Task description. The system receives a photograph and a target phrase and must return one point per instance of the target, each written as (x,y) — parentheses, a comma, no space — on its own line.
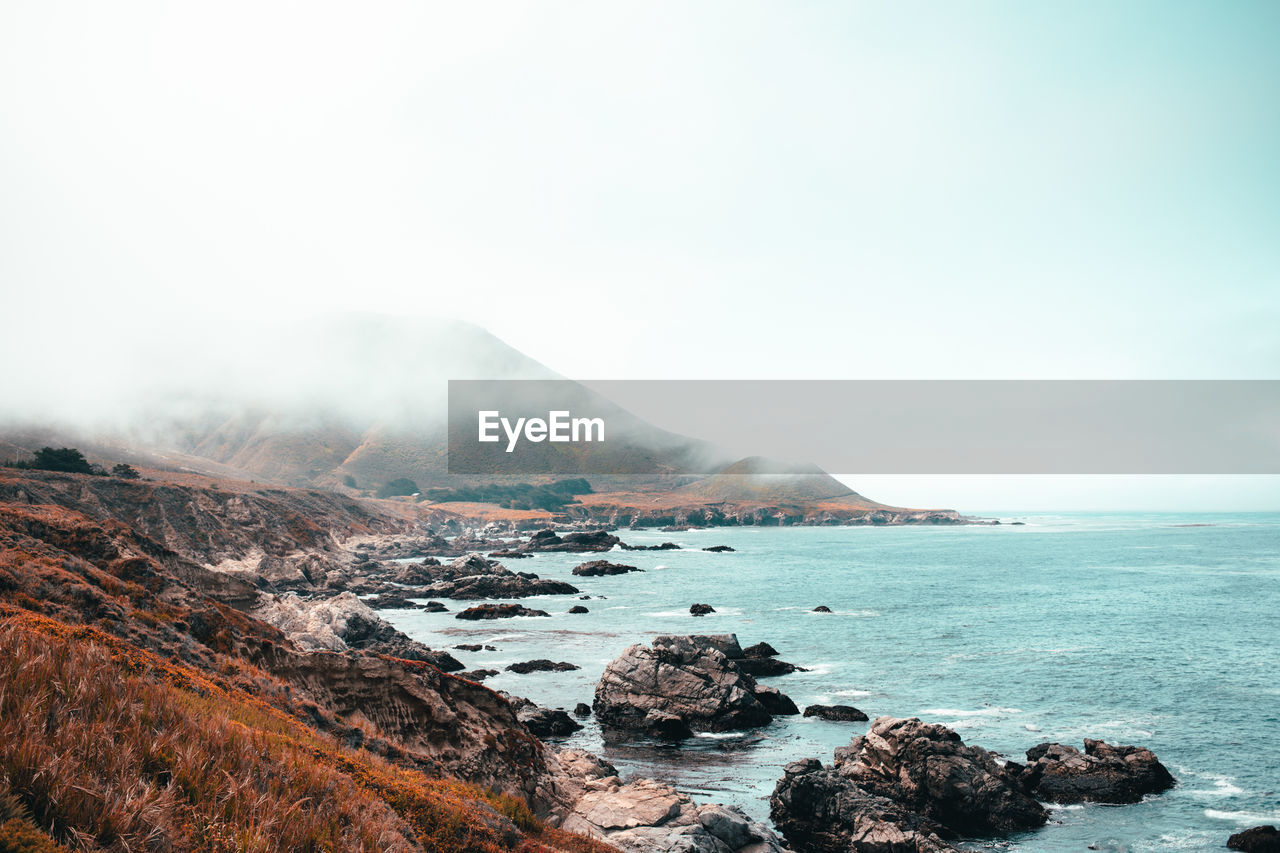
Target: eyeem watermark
(558,426)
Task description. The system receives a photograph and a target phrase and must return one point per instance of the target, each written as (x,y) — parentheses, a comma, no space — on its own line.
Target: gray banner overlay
(868,426)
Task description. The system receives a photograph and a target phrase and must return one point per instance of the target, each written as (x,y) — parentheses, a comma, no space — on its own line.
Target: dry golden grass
(108,747)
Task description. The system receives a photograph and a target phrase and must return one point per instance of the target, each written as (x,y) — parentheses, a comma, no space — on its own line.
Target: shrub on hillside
(398,487)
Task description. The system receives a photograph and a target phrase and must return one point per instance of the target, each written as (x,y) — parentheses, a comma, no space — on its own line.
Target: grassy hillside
(105,746)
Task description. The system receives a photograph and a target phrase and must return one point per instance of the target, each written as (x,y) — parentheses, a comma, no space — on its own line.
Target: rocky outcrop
(543,722)
(719,549)
(1258,839)
(837,713)
(700,609)
(665,546)
(459,728)
(822,608)
(600,568)
(345,622)
(576,543)
(644,816)
(578,609)
(541,665)
(498,611)
(1101,774)
(682,683)
(817,809)
(929,770)
(475,577)
(761,660)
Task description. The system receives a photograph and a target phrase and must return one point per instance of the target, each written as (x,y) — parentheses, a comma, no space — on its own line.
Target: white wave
(1030,727)
(853,694)
(719,735)
(958,712)
(1223,786)
(1242,817)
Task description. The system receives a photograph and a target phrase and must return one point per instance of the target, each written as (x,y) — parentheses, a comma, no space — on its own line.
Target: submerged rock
(498,611)
(700,609)
(600,568)
(578,608)
(1101,774)
(822,608)
(719,549)
(837,713)
(1258,839)
(665,546)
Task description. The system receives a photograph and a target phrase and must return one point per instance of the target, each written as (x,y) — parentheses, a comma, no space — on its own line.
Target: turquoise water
(1160,630)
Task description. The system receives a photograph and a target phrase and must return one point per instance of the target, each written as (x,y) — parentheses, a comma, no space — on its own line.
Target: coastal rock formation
(543,722)
(837,713)
(687,682)
(822,608)
(541,665)
(576,543)
(498,611)
(929,770)
(599,568)
(818,809)
(578,609)
(700,609)
(345,622)
(1258,839)
(665,546)
(475,577)
(719,549)
(1101,774)
(645,816)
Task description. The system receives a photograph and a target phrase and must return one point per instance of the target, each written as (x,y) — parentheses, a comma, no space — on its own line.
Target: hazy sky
(738,189)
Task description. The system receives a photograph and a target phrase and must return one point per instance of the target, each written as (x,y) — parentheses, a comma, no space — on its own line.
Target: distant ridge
(768,481)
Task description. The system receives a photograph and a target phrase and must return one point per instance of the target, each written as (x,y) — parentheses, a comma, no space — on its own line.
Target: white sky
(651,190)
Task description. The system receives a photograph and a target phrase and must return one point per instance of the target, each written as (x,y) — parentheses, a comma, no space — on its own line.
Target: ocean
(1161,630)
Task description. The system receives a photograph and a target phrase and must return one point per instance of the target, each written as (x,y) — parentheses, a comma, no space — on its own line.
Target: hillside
(143,707)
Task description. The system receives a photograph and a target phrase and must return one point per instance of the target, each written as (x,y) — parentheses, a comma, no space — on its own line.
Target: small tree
(349,482)
(63,459)
(125,472)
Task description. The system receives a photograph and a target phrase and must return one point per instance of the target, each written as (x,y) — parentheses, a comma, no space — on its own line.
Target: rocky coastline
(292,612)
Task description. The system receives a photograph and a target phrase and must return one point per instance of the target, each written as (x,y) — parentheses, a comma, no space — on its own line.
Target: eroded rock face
(691,679)
(345,622)
(929,770)
(474,577)
(460,728)
(1101,774)
(1258,839)
(819,809)
(645,816)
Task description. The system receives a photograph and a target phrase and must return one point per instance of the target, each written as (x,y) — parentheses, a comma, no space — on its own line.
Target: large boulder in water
(693,679)
(928,769)
(576,543)
(819,809)
(1258,839)
(1101,774)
